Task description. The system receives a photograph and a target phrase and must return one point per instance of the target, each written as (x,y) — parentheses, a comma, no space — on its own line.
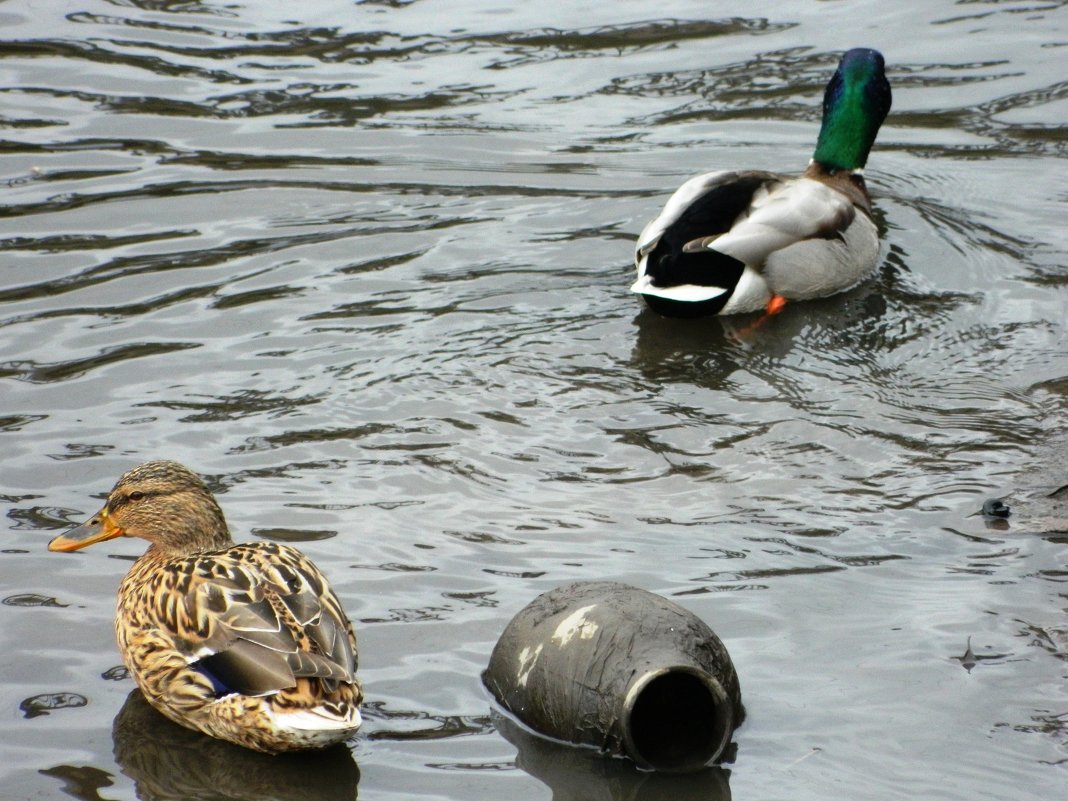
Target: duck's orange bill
(96,529)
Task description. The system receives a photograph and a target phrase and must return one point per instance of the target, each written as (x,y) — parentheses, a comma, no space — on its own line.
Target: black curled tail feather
(669,266)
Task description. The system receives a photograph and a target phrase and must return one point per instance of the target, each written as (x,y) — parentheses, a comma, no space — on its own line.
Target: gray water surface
(364,265)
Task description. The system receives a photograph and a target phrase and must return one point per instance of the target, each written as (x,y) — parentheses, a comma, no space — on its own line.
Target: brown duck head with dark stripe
(162,502)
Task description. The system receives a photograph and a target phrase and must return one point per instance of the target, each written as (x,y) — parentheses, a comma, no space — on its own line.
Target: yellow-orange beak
(96,529)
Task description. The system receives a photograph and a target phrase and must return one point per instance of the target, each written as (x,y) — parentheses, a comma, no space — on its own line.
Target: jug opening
(679,720)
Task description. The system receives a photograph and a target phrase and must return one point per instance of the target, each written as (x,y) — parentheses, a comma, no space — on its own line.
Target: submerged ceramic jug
(628,672)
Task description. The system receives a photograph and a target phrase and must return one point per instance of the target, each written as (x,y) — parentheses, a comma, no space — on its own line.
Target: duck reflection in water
(574,773)
(170,763)
(707,350)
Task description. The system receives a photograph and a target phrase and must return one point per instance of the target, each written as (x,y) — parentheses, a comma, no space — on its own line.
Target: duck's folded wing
(254,628)
(798,210)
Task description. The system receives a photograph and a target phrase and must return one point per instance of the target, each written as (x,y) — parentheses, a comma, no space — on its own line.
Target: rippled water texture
(364,265)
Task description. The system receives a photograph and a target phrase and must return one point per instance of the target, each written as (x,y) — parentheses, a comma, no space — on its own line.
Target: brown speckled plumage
(246,642)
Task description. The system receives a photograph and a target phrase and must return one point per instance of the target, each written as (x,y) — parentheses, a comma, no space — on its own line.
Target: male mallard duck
(247,643)
(738,241)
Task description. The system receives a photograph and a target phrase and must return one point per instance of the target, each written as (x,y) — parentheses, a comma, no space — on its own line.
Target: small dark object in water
(38,705)
(608,665)
(31,599)
(116,673)
(967,659)
(80,781)
(995,508)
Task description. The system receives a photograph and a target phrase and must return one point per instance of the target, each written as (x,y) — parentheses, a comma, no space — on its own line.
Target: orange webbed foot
(775,305)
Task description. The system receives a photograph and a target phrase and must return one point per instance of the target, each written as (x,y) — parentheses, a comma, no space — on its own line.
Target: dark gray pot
(615,667)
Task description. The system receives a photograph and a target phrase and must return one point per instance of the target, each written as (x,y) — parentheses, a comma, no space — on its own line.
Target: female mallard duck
(738,241)
(247,643)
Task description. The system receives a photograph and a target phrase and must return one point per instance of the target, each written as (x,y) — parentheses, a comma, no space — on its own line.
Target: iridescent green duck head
(855,104)
(162,502)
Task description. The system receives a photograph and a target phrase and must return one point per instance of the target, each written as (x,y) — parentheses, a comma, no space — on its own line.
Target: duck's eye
(137,496)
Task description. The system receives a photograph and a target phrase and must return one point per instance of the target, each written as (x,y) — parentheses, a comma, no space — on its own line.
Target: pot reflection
(581,774)
(170,763)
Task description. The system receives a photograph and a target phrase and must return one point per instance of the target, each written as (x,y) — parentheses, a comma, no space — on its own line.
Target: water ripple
(366,268)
